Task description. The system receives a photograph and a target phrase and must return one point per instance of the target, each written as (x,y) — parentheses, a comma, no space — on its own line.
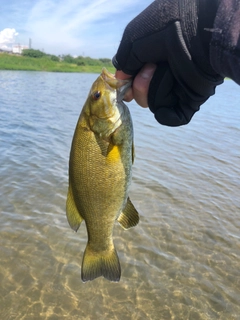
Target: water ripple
(181,262)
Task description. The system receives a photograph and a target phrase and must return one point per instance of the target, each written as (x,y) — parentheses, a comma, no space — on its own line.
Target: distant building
(18,48)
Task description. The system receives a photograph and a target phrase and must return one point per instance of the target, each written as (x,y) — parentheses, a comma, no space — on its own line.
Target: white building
(18,48)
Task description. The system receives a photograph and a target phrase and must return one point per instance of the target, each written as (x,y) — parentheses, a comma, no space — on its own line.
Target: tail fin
(102,263)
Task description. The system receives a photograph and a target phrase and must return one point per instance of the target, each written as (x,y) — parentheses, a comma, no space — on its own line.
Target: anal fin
(129,217)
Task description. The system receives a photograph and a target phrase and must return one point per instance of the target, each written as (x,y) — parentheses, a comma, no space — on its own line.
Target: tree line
(80,60)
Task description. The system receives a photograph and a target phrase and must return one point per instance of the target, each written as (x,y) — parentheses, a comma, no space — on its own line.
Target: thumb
(141,84)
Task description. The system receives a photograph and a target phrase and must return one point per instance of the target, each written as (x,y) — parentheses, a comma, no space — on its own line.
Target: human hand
(140,86)
(165,49)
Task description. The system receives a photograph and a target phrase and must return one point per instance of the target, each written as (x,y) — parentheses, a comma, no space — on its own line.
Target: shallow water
(181,261)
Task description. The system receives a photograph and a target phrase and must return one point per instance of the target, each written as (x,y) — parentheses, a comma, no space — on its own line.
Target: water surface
(181,261)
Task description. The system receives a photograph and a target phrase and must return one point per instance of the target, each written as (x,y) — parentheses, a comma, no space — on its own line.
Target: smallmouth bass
(100,169)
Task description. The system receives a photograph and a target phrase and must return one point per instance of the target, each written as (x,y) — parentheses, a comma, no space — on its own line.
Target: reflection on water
(181,261)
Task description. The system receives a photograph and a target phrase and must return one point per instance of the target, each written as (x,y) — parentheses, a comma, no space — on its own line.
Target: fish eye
(96,95)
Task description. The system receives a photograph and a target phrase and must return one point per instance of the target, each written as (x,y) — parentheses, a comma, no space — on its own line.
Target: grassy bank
(14,62)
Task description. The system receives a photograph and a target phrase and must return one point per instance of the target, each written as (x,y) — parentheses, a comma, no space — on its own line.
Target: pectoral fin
(129,216)
(73,215)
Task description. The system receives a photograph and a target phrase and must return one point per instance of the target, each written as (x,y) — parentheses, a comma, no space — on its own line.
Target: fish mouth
(112,81)
(120,85)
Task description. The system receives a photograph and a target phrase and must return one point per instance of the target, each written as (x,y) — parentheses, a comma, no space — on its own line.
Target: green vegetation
(36,60)
(33,53)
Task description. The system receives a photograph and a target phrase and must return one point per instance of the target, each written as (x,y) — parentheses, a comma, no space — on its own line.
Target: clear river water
(183,259)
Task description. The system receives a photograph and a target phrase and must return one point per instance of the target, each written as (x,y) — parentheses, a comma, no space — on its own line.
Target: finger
(123,76)
(141,84)
(128,95)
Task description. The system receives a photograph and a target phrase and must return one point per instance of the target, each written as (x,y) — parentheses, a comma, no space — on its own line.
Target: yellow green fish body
(100,169)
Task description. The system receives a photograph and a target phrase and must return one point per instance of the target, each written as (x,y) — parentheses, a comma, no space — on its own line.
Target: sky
(78,27)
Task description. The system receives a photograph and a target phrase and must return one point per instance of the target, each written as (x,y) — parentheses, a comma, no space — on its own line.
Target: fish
(100,171)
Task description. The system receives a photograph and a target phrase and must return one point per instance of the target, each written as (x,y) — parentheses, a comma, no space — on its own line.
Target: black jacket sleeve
(195,44)
(225,43)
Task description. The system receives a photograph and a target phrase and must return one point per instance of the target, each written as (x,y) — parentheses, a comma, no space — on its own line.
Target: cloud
(7,38)
(77,27)
(93,27)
